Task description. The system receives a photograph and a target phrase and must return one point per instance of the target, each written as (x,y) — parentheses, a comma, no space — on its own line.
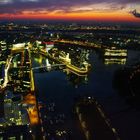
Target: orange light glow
(99,16)
(32,111)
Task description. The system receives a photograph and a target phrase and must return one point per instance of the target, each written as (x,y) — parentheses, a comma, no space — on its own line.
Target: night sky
(100,10)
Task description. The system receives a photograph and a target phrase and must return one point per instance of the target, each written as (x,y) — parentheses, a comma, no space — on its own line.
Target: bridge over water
(55,65)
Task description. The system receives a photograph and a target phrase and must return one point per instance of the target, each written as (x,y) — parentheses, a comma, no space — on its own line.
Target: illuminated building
(15,122)
(48,45)
(18,46)
(65,57)
(2,73)
(20,132)
(13,113)
(48,65)
(39,44)
(3,45)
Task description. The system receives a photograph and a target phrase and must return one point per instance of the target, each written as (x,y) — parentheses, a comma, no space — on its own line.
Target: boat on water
(93,121)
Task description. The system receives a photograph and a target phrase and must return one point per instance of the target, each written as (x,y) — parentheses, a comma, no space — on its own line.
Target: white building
(18,46)
(3,45)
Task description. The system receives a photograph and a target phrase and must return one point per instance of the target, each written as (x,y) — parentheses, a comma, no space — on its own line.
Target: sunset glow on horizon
(102,10)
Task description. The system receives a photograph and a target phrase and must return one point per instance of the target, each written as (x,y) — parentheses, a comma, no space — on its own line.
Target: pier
(69,66)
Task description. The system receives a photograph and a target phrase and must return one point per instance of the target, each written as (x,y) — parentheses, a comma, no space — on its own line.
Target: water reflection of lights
(32,110)
(75,78)
(113,52)
(68,71)
(61,133)
(121,61)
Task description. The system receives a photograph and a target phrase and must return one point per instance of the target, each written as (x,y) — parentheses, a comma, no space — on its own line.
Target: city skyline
(69,79)
(96,10)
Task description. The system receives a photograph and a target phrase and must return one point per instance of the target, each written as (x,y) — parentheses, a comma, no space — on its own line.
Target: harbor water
(57,89)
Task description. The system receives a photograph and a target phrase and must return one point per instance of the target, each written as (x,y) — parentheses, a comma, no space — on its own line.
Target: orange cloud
(87,15)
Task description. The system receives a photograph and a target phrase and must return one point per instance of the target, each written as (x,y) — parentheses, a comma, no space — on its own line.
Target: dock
(69,66)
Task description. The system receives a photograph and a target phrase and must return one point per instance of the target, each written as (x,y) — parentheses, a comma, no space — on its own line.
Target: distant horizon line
(69,21)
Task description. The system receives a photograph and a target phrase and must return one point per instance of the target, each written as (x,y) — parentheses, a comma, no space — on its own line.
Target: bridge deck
(55,65)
